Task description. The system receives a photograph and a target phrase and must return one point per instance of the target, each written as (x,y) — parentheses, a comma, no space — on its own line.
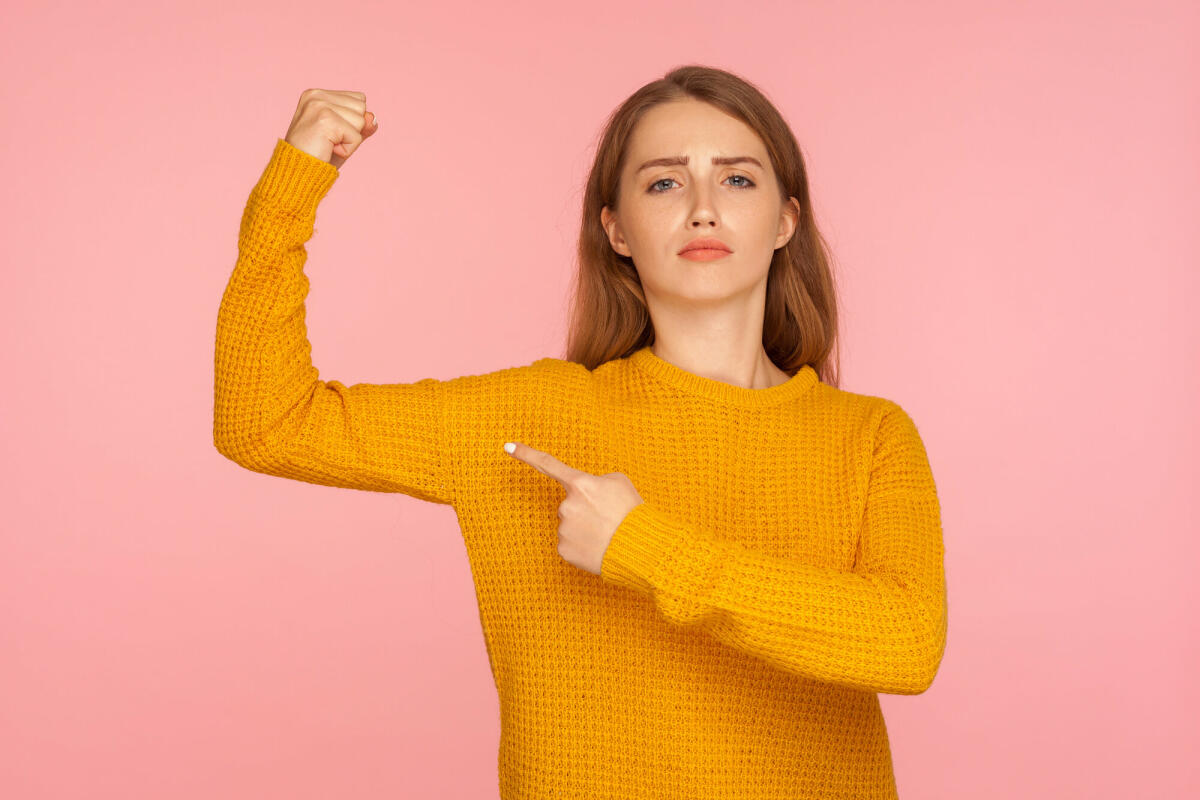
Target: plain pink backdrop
(1011,192)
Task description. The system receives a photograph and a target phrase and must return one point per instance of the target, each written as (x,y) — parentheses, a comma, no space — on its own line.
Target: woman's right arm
(272,412)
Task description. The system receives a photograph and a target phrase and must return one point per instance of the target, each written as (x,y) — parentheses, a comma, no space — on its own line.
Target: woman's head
(635,221)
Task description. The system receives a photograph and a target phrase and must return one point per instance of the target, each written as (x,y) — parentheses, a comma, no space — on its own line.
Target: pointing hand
(592,511)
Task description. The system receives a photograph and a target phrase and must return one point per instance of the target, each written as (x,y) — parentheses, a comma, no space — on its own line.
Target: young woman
(700,560)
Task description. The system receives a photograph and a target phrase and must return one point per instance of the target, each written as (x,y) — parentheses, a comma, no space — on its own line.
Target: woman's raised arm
(272,412)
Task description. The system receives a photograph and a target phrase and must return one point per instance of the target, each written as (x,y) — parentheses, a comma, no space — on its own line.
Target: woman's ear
(789,218)
(608,221)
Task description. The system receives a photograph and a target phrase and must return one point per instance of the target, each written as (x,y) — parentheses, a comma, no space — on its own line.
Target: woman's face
(663,207)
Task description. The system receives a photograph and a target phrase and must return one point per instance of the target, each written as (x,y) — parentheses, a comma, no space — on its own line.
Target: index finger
(543,462)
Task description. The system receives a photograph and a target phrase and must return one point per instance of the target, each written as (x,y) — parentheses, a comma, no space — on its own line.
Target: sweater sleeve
(880,627)
(272,412)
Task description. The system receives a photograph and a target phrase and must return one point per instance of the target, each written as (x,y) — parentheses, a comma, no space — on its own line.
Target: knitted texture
(785,567)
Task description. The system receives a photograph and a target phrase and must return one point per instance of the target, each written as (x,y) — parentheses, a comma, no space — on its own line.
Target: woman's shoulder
(530,379)
(870,411)
(846,398)
(547,402)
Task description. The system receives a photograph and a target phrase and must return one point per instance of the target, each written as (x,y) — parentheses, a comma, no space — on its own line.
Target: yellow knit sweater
(786,566)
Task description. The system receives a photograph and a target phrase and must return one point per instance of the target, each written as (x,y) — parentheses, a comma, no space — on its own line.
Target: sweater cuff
(639,548)
(295,180)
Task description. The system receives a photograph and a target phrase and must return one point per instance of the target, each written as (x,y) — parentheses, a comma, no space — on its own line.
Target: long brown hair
(608,315)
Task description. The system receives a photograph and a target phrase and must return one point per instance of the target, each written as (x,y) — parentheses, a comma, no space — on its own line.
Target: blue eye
(748,183)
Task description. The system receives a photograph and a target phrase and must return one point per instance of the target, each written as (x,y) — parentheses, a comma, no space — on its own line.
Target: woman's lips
(704,254)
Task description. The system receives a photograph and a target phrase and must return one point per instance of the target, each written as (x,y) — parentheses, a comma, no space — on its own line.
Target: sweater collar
(722,392)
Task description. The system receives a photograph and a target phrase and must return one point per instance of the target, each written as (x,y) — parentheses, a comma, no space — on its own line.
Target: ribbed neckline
(700,386)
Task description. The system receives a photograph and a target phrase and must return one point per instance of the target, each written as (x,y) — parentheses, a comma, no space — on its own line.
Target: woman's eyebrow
(683,160)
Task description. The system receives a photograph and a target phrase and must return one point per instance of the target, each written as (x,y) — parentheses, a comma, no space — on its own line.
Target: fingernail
(509,448)
(375,120)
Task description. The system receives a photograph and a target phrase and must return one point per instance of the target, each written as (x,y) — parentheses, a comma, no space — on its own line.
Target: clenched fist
(330,125)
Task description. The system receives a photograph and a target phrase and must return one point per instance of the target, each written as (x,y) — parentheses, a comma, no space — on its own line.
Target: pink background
(1011,191)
